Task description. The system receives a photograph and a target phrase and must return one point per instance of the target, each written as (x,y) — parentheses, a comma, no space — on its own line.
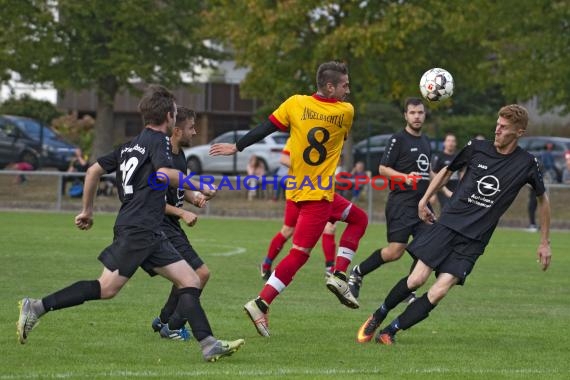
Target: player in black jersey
(494,174)
(138,237)
(442,159)
(407,156)
(181,137)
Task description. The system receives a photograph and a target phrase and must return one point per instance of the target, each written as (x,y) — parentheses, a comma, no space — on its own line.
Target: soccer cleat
(328,272)
(258,317)
(265,273)
(385,338)
(180,334)
(411,298)
(340,289)
(157,324)
(27,321)
(223,348)
(366,331)
(354,282)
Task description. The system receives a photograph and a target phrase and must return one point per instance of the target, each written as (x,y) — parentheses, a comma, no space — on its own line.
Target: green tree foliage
(79,131)
(387,44)
(497,51)
(27,106)
(102,45)
(529,45)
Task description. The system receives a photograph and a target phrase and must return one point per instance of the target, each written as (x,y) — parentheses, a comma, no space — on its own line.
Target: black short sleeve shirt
(489,186)
(134,162)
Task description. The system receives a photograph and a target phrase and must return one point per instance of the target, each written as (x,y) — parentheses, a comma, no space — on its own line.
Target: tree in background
(25,105)
(103,45)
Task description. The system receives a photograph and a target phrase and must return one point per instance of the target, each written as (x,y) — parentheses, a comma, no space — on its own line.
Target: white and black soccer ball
(436,84)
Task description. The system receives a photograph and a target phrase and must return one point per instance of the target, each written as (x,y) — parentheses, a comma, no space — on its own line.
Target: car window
(280,139)
(228,137)
(7,128)
(558,147)
(32,128)
(537,145)
(523,143)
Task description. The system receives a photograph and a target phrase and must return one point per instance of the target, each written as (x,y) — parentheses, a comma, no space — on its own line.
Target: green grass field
(511,320)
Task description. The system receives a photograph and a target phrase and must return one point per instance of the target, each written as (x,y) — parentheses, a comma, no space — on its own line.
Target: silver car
(268,150)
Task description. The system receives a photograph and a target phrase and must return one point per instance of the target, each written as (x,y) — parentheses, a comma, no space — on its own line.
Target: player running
(495,173)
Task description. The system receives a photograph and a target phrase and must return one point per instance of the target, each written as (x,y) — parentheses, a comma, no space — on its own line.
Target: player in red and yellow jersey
(318,125)
(342,210)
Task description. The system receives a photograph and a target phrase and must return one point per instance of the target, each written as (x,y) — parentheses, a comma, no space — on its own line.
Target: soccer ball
(436,84)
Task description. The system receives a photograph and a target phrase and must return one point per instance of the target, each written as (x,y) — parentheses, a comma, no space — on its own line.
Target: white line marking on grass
(213,242)
(232,252)
(284,371)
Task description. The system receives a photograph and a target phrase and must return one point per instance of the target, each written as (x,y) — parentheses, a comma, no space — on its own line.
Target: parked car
(22,140)
(375,146)
(560,148)
(268,150)
(15,146)
(370,151)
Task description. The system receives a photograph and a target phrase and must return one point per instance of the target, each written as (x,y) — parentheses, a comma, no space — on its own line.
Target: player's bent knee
(204,274)
(437,292)
(392,254)
(415,281)
(109,291)
(287,231)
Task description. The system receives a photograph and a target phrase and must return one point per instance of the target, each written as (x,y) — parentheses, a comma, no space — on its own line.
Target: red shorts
(311,220)
(340,208)
(339,212)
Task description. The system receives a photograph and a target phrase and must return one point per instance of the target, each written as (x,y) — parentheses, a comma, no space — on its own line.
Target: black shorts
(446,251)
(181,243)
(135,247)
(402,222)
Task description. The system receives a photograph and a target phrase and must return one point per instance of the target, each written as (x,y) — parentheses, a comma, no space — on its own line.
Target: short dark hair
(330,72)
(155,104)
(413,102)
(183,114)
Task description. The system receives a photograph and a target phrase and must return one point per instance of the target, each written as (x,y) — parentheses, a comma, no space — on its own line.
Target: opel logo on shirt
(488,186)
(423,163)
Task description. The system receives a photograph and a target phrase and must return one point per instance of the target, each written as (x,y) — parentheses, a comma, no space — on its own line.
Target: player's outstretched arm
(255,135)
(84,220)
(543,253)
(177,179)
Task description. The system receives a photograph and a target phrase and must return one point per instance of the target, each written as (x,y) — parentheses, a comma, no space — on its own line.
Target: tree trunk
(104,140)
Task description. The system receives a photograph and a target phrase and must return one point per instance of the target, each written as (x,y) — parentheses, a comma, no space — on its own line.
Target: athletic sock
(393,327)
(343,257)
(373,262)
(416,312)
(329,248)
(398,293)
(283,274)
(262,305)
(169,306)
(189,309)
(357,221)
(275,247)
(73,295)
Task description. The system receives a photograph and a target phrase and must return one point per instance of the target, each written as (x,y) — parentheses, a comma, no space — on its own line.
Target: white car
(268,150)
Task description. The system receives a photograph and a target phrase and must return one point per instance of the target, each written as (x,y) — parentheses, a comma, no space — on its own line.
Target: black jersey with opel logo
(490,184)
(134,162)
(407,153)
(175,196)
